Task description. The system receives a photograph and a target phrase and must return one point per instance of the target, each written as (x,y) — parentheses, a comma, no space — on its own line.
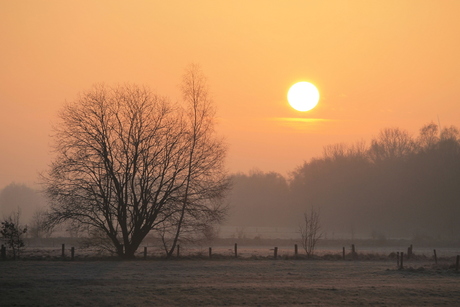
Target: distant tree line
(258,199)
(28,200)
(398,185)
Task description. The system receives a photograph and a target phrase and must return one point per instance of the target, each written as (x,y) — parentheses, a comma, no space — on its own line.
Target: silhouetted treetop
(129,161)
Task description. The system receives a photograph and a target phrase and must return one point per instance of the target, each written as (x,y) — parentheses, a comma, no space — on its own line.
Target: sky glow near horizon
(377,64)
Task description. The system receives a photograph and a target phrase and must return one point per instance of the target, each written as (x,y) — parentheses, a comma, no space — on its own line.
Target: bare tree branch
(310,231)
(125,161)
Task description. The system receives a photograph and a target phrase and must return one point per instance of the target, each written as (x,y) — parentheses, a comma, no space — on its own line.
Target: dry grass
(225,282)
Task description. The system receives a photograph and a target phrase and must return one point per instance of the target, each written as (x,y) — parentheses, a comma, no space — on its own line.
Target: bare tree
(310,231)
(429,136)
(200,205)
(391,144)
(342,151)
(12,233)
(122,166)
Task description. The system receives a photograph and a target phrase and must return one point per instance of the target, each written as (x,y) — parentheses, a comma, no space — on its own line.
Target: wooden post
(435,257)
(63,251)
(343,253)
(275,253)
(178,250)
(409,252)
(72,253)
(236,250)
(3,252)
(457,263)
(210,252)
(397,259)
(402,260)
(296,251)
(145,252)
(353,252)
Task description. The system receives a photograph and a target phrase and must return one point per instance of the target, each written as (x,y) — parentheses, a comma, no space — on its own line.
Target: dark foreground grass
(226,282)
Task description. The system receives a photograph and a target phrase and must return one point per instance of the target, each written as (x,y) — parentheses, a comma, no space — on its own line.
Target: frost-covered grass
(226,282)
(244,252)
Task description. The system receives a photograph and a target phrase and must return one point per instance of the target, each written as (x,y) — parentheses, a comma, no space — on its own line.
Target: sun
(303,96)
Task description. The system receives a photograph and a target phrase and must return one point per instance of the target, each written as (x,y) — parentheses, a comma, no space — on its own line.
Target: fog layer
(397,186)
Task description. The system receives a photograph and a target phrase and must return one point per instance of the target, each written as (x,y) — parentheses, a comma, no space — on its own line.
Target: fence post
(409,252)
(353,252)
(72,253)
(63,251)
(210,252)
(402,260)
(178,250)
(236,250)
(343,253)
(457,263)
(435,257)
(397,259)
(145,252)
(275,253)
(295,250)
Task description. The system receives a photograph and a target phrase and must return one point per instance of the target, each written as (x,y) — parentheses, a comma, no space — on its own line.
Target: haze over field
(376,64)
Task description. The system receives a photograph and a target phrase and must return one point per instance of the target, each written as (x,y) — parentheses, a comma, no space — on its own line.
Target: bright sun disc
(303,96)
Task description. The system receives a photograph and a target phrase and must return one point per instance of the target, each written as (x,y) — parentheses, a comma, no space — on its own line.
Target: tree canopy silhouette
(400,185)
(129,162)
(259,199)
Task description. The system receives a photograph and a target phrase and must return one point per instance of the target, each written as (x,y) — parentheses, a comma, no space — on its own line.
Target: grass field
(226,282)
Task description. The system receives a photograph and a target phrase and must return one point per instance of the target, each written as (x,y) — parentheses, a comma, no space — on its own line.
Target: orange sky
(377,64)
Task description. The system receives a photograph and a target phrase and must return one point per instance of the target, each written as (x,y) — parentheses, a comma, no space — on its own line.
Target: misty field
(226,282)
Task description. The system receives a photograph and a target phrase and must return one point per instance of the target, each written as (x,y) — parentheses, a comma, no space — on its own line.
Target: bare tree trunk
(310,231)
(194,90)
